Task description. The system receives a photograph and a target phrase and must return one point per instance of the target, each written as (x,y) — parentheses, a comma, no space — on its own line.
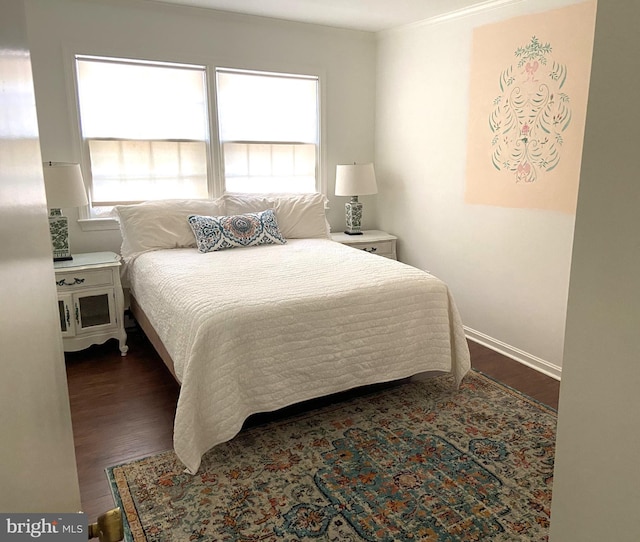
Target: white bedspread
(256,329)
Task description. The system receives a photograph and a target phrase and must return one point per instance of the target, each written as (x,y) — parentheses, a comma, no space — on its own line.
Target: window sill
(98,224)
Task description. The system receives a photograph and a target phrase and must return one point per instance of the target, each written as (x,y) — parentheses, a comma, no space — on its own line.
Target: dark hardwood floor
(516,375)
(122,408)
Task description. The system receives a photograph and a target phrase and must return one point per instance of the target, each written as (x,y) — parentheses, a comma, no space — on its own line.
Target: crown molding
(452,15)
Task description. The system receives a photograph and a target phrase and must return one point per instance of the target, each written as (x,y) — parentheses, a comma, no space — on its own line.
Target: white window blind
(146,128)
(269,131)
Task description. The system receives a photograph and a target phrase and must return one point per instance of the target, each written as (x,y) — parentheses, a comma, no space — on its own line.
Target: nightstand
(372,241)
(90,300)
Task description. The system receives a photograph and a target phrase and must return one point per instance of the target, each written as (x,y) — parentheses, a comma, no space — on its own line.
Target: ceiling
(368,15)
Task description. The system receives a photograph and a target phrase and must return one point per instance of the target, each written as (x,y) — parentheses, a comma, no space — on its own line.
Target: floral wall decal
(530,114)
(528,90)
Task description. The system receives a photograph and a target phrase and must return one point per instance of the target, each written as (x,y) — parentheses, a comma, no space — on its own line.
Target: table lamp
(355,180)
(64,188)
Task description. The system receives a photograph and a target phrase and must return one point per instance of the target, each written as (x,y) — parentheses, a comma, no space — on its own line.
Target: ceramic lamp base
(353,212)
(59,230)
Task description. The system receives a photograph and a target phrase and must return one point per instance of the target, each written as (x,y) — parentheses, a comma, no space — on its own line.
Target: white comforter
(255,329)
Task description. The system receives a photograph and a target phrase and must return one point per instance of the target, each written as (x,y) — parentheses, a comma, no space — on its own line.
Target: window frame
(86,213)
(281,75)
(215,164)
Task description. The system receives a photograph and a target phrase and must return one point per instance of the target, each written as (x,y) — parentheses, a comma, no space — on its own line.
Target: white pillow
(155,225)
(300,216)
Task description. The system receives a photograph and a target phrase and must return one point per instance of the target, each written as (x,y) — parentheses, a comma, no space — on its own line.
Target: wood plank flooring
(122,408)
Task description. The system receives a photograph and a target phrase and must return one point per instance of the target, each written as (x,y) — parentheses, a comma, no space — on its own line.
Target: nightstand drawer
(84,279)
(375,242)
(381,248)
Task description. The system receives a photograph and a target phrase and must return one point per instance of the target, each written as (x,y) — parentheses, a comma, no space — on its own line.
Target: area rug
(415,461)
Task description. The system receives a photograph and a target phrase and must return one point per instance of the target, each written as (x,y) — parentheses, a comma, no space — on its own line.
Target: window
(145,128)
(145,131)
(268,131)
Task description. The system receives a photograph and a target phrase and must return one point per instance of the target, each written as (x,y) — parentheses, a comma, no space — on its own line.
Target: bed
(261,327)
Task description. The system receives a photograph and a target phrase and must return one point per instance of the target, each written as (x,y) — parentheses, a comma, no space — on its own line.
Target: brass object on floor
(109,527)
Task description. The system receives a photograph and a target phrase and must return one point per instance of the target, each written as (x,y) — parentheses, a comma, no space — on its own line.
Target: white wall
(137,29)
(37,460)
(596,491)
(508,268)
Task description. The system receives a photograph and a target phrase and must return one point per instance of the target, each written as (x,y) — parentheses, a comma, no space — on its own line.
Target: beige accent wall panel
(37,460)
(527,106)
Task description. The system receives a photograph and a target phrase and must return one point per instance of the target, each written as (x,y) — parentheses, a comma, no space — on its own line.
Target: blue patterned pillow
(251,229)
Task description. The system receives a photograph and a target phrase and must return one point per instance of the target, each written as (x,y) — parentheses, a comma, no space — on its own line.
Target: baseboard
(516,354)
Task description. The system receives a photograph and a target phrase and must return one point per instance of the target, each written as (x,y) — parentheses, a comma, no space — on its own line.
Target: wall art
(528,96)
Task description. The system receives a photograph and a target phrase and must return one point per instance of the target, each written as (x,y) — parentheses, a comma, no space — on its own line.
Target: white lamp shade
(355,180)
(64,186)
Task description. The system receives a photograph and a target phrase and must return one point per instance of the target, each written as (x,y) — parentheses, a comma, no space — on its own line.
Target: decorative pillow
(300,216)
(154,225)
(251,229)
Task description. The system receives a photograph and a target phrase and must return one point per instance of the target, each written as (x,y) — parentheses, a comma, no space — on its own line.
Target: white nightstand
(372,241)
(90,300)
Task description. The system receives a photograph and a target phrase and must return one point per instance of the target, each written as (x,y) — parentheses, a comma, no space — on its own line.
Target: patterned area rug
(416,461)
